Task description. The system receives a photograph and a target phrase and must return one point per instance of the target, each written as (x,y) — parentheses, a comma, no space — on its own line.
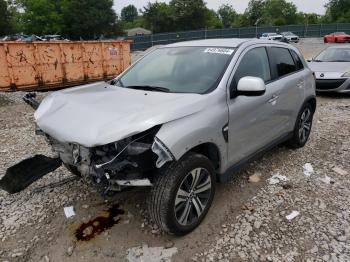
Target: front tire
(182,194)
(302,127)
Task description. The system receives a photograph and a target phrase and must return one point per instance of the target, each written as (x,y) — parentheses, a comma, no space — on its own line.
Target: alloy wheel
(305,125)
(192,196)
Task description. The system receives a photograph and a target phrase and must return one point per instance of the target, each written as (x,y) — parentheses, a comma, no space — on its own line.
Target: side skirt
(230,172)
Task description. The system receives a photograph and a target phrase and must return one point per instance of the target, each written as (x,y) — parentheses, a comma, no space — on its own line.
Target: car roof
(219,42)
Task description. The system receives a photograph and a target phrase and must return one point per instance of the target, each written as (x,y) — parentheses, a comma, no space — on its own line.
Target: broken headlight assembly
(129,162)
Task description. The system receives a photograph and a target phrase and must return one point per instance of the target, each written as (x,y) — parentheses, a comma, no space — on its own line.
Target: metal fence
(308,30)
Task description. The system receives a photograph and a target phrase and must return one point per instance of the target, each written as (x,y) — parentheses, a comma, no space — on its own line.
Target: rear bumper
(341,85)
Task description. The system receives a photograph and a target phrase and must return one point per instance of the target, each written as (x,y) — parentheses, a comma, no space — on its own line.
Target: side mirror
(251,86)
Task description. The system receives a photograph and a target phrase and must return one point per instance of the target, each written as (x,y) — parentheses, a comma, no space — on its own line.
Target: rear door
(289,77)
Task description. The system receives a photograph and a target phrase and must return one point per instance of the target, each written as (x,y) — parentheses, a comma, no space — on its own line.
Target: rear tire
(302,127)
(182,194)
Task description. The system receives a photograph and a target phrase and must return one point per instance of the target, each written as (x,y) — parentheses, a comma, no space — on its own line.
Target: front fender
(182,135)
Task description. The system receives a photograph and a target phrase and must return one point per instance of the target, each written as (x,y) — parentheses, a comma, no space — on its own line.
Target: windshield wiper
(316,60)
(150,88)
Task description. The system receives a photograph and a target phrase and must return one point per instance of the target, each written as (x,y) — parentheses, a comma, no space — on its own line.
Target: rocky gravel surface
(249,219)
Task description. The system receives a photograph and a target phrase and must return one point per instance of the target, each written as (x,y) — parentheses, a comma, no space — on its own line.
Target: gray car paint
(93,115)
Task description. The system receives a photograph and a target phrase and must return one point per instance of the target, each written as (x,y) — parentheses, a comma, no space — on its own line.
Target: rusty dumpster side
(48,65)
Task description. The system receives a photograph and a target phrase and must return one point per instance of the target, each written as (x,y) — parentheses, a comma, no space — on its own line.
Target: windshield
(287,33)
(178,70)
(339,33)
(334,55)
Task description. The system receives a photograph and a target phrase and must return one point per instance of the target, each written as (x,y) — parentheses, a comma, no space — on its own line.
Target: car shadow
(333,95)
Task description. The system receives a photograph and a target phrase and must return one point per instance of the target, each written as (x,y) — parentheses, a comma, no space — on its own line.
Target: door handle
(273,99)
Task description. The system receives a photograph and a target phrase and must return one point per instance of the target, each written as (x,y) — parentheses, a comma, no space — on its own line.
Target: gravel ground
(247,221)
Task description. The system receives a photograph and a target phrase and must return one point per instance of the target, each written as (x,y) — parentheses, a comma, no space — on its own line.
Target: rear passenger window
(283,61)
(297,60)
(254,63)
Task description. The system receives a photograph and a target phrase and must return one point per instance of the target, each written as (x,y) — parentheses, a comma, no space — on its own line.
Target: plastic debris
(69,212)
(293,215)
(326,180)
(277,178)
(340,171)
(308,169)
(255,178)
(155,254)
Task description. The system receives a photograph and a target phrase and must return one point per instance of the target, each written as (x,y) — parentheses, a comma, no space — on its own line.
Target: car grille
(294,38)
(325,84)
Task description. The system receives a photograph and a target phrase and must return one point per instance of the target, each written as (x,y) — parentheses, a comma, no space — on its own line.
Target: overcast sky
(308,6)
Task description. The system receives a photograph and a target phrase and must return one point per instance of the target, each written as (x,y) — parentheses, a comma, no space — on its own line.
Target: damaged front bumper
(130,162)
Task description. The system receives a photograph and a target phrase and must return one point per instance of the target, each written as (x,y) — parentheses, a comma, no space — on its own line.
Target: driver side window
(254,63)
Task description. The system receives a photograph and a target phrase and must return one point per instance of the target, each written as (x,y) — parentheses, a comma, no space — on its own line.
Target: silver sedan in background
(332,69)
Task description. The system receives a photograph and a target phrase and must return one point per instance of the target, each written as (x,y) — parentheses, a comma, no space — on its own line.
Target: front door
(252,120)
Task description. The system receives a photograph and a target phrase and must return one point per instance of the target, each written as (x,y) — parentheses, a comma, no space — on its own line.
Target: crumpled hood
(98,114)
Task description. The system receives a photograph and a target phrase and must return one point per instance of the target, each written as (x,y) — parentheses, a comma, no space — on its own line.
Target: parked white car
(271,36)
(291,37)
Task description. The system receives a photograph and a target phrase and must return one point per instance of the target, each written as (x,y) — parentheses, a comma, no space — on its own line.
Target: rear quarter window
(298,63)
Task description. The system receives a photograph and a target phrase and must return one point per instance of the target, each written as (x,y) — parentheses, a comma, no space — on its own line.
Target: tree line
(89,19)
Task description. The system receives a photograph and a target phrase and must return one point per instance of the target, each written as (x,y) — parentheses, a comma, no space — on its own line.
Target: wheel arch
(211,151)
(312,101)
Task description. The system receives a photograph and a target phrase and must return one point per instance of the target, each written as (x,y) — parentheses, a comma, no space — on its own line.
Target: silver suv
(181,118)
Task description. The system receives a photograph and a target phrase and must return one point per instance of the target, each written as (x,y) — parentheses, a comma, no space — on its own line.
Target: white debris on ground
(69,212)
(154,254)
(277,178)
(308,170)
(293,215)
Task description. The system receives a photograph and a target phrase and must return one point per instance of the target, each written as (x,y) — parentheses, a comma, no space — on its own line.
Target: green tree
(254,12)
(189,14)
(158,17)
(338,11)
(228,16)
(129,13)
(89,19)
(270,12)
(42,16)
(279,12)
(5,18)
(212,19)
(138,22)
(305,18)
